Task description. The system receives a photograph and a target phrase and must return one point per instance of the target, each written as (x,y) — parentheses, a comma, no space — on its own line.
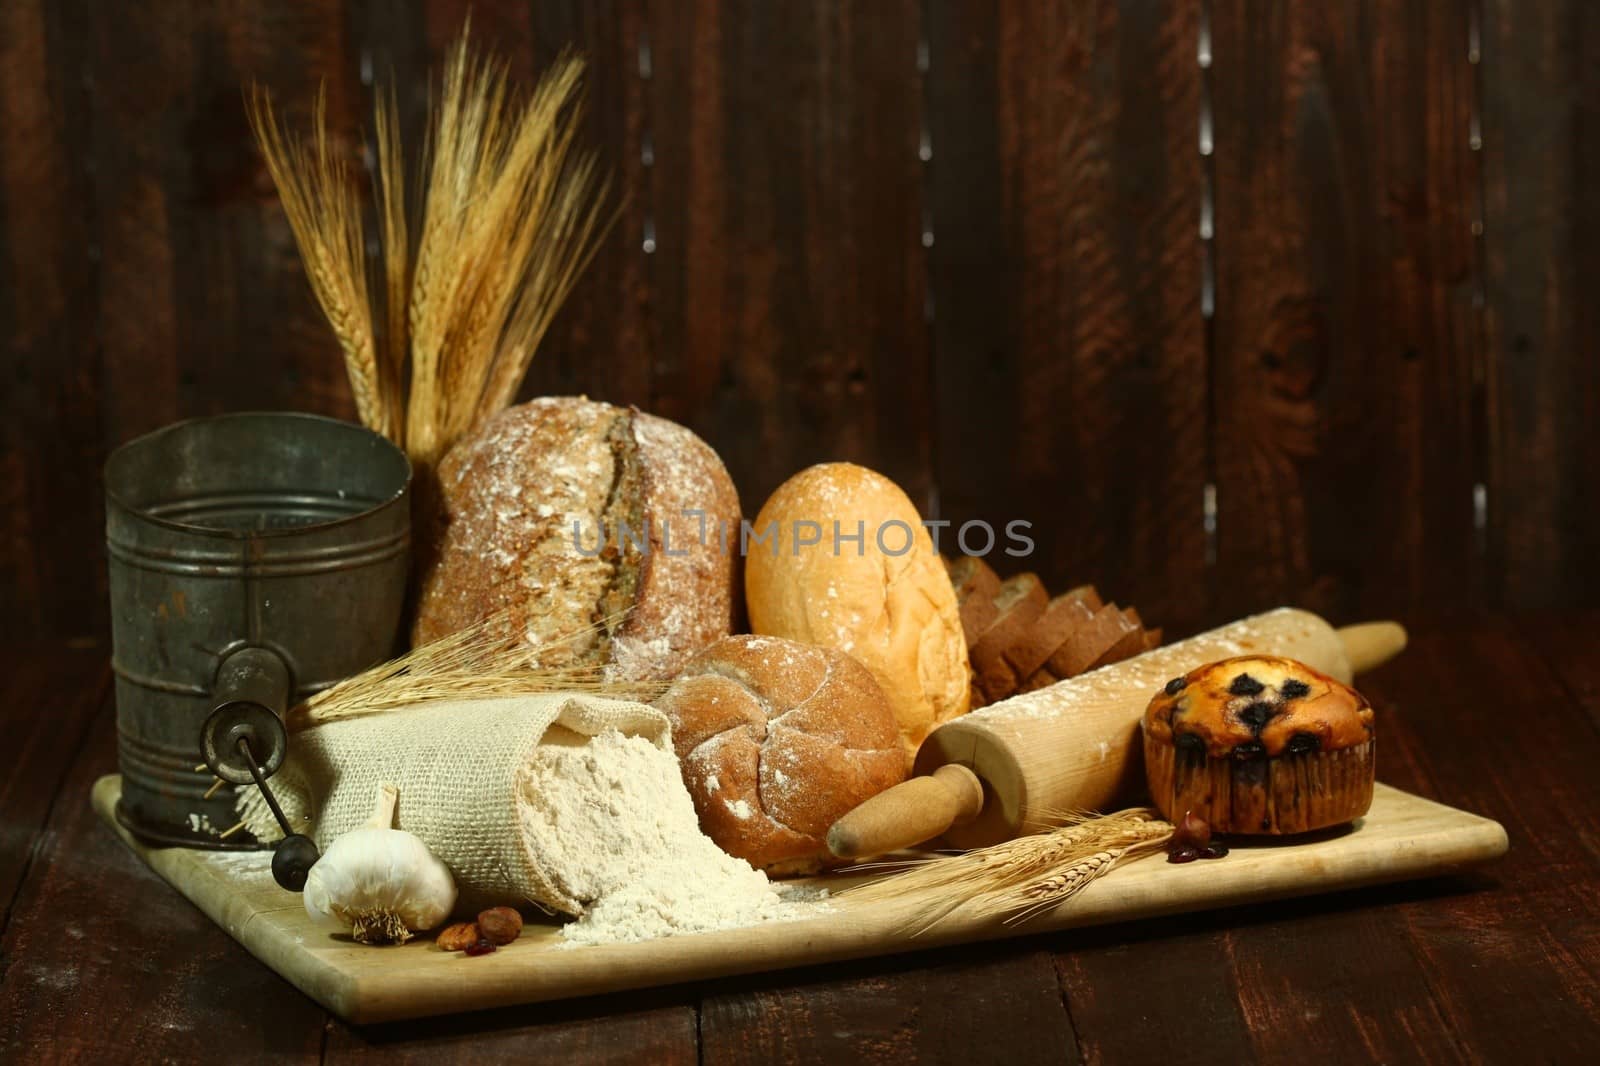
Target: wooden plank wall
(1238,302)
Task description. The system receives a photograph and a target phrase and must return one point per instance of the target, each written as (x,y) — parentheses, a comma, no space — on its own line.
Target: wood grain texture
(788,324)
(1344,330)
(204,305)
(1399,974)
(100,963)
(896,1012)
(1502,965)
(1452,702)
(1065,195)
(649,1027)
(598,343)
(1541,146)
(50,574)
(47,701)
(1401,837)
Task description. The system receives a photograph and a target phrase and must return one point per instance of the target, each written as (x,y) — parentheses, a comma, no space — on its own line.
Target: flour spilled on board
(610,818)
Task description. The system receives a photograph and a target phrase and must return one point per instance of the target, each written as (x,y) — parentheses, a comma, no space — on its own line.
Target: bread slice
(1088,595)
(1131,642)
(1020,602)
(1061,617)
(1088,642)
(1040,678)
(976,586)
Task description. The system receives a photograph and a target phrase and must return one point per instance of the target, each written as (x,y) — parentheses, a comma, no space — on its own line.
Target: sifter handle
(909,813)
(251,693)
(244,741)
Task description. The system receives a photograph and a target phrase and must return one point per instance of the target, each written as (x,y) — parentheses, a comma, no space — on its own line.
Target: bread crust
(896,613)
(509,495)
(1020,603)
(1061,616)
(778,740)
(976,586)
(1088,642)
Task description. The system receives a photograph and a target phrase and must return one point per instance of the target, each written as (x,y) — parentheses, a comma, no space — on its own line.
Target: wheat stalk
(475,262)
(489,659)
(394,237)
(1022,876)
(317,188)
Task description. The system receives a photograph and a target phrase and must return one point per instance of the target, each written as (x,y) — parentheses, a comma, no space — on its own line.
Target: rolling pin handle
(909,813)
(1371,644)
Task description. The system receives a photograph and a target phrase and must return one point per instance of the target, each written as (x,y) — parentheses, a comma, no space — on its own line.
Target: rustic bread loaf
(583,523)
(892,609)
(778,740)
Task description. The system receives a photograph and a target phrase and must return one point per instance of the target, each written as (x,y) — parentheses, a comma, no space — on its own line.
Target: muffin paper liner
(1275,795)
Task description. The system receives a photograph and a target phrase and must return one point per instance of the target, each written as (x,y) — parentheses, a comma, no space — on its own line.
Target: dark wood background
(1239,302)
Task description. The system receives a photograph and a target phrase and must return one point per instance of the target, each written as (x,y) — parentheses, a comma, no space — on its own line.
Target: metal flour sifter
(255,559)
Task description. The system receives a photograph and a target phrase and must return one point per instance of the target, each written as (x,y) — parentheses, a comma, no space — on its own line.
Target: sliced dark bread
(1020,602)
(976,586)
(1088,595)
(1152,638)
(1088,642)
(1130,644)
(1061,616)
(1040,678)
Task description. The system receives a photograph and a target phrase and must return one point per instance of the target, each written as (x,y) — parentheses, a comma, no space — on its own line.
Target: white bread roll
(893,609)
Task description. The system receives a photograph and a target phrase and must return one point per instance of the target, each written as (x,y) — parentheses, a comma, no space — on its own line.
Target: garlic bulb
(380,883)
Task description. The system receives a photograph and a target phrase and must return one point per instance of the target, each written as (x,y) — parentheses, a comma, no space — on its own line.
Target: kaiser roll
(849,565)
(778,740)
(601,532)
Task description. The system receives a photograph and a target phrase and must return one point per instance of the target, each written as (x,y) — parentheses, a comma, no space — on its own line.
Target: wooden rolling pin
(1019,765)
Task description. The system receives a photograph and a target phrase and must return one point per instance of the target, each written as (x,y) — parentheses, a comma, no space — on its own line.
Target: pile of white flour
(614,827)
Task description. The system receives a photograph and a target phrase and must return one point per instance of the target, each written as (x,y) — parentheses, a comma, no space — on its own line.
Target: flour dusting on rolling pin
(1074,745)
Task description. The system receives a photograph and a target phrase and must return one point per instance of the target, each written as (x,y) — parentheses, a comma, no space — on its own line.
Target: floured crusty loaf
(648,557)
(886,600)
(778,740)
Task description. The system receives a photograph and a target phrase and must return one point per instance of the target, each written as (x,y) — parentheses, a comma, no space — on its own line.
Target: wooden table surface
(100,961)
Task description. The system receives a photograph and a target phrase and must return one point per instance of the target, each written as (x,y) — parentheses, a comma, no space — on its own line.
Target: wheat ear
(316,186)
(1004,878)
(487,660)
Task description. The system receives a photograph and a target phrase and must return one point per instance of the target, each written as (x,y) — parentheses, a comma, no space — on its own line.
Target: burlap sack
(458,766)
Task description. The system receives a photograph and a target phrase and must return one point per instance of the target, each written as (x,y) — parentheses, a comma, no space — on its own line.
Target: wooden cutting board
(1402,837)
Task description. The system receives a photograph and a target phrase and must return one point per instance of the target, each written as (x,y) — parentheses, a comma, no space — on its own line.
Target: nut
(500,925)
(457,937)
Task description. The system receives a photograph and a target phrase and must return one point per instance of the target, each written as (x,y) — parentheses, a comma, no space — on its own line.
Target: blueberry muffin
(1259,744)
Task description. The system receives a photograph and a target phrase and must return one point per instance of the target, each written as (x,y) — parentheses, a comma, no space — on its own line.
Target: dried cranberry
(480,947)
